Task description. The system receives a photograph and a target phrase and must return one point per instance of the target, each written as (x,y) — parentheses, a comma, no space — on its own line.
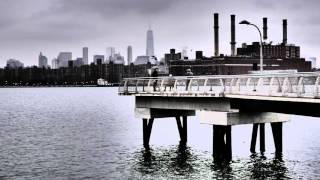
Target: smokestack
(265,28)
(233,35)
(284,24)
(216,34)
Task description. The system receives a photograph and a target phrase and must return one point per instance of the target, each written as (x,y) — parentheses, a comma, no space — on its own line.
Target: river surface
(91,133)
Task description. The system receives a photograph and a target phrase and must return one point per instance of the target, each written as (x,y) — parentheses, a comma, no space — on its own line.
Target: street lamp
(261,55)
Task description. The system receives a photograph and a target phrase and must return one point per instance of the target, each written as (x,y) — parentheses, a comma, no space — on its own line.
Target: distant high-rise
(98,59)
(85,55)
(129,55)
(55,63)
(118,59)
(150,45)
(78,62)
(110,54)
(42,61)
(63,58)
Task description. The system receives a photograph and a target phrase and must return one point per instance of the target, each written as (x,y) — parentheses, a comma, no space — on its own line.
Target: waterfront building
(114,72)
(85,55)
(270,51)
(145,60)
(42,61)
(171,56)
(129,55)
(63,58)
(14,64)
(227,65)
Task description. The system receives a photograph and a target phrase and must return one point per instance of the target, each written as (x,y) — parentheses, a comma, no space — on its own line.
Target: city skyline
(52,26)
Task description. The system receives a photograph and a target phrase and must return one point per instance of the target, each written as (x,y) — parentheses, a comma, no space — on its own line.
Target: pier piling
(262,138)
(254,138)
(277,136)
(182,128)
(147,128)
(222,147)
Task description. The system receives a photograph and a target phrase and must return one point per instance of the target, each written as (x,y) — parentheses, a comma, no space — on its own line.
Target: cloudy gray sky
(30,26)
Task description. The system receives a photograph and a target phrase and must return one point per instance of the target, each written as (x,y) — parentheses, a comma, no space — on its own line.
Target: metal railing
(305,85)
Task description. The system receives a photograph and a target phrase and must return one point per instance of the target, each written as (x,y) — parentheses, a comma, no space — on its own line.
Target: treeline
(84,75)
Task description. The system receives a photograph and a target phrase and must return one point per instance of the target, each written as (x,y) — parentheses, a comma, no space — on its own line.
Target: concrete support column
(262,138)
(222,146)
(254,138)
(185,128)
(182,127)
(277,136)
(147,128)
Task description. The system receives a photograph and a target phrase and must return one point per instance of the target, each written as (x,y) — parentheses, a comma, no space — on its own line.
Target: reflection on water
(175,161)
(184,162)
(262,168)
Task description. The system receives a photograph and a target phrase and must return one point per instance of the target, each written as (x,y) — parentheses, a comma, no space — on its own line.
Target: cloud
(54,25)
(113,8)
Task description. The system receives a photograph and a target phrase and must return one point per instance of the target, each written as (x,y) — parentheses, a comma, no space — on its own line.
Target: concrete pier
(225,101)
(217,112)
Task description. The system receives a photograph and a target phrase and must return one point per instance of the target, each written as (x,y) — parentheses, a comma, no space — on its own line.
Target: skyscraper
(129,55)
(150,47)
(55,63)
(85,55)
(110,54)
(42,61)
(63,58)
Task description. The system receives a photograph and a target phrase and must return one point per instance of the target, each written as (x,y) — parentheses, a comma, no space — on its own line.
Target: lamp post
(261,55)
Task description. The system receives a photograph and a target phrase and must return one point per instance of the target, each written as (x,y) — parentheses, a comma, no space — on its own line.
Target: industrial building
(282,56)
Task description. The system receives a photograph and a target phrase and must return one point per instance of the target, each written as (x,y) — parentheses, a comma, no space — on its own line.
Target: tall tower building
(85,55)
(150,47)
(129,55)
(43,61)
(110,54)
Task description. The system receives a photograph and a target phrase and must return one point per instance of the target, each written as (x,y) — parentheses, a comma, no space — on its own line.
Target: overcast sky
(50,26)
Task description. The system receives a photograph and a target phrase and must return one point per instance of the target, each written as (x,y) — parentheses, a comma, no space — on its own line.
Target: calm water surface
(78,133)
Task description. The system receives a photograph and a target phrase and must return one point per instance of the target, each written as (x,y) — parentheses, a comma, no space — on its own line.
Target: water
(78,133)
